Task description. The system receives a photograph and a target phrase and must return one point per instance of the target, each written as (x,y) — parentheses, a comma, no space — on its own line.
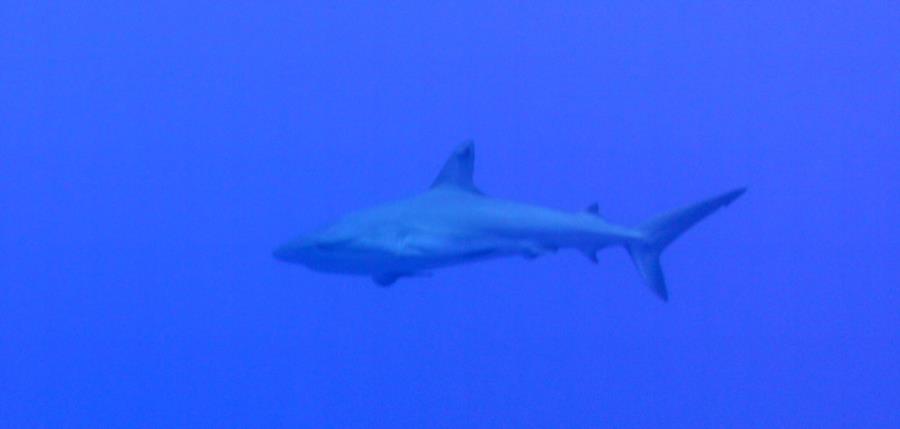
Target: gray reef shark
(454,223)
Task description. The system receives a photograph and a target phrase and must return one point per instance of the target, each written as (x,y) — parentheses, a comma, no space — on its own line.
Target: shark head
(393,238)
(320,250)
(353,245)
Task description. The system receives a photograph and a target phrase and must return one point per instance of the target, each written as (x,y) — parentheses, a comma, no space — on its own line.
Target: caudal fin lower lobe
(661,231)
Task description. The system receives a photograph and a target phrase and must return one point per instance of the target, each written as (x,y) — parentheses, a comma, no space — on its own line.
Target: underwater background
(152,154)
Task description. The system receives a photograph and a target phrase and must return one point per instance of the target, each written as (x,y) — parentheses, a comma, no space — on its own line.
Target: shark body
(453,223)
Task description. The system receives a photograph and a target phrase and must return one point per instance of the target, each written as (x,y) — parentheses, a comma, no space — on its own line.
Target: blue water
(153,153)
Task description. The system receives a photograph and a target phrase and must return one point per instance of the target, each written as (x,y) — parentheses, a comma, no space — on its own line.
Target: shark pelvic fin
(591,254)
(459,169)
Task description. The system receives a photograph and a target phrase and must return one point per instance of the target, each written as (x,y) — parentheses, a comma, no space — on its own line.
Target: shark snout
(284,253)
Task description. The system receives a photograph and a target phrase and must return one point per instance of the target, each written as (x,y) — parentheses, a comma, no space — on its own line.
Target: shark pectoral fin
(388,279)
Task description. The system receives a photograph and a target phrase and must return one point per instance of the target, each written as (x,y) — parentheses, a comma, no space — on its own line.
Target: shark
(453,222)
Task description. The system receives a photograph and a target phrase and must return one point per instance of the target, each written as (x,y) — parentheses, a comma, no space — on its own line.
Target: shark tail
(661,231)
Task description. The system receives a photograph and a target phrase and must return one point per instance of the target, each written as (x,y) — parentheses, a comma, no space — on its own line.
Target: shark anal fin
(386,279)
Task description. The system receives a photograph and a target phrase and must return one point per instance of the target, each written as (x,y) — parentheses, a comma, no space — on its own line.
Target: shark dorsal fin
(458,169)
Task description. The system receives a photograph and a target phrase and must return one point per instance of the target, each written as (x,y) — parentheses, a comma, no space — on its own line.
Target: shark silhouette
(453,223)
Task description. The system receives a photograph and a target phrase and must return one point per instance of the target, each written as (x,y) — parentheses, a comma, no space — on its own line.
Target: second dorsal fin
(458,169)
(594,211)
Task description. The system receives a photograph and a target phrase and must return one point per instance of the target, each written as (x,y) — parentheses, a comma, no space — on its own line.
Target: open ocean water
(152,154)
